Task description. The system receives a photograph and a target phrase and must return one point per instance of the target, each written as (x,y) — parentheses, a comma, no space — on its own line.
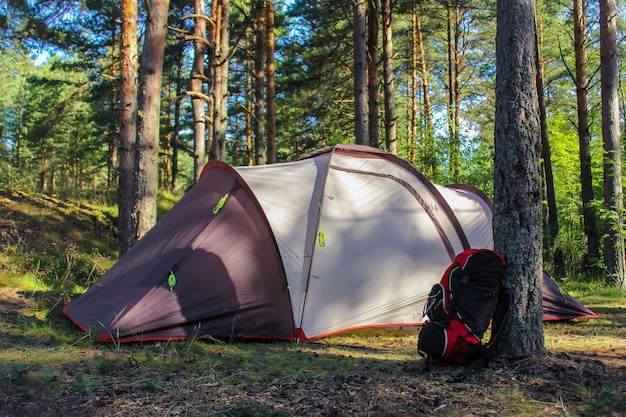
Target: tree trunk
(218,83)
(259,111)
(455,59)
(43,163)
(372,72)
(360,74)
(222,114)
(113,138)
(413,140)
(390,113)
(197,80)
(451,90)
(215,78)
(428,133)
(128,120)
(271,87)
(517,180)
(552,220)
(167,145)
(584,136)
(249,123)
(147,159)
(214,75)
(176,133)
(457,54)
(613,196)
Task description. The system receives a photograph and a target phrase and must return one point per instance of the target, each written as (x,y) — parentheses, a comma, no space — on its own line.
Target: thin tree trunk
(455,110)
(249,113)
(221,115)
(218,83)
(390,113)
(552,220)
(454,95)
(584,136)
(128,120)
(372,71)
(167,145)
(113,138)
(53,180)
(517,181)
(259,110)
(428,135)
(176,133)
(412,132)
(451,88)
(43,163)
(197,80)
(613,195)
(360,74)
(271,87)
(214,76)
(147,159)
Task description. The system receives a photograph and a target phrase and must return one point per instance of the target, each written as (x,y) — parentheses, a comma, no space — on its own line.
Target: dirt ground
(552,384)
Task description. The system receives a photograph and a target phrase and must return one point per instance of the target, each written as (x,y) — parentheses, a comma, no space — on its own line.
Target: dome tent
(347,237)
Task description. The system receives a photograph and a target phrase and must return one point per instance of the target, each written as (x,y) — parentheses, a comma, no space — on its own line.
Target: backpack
(460,307)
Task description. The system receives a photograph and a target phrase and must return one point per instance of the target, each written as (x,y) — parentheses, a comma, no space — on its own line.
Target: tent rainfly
(347,237)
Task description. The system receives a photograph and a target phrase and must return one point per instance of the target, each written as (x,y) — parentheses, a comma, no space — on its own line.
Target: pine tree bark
(413,139)
(112,162)
(552,220)
(372,71)
(249,112)
(128,120)
(613,193)
(176,133)
(388,76)
(220,131)
(212,74)
(360,73)
(259,92)
(219,51)
(584,135)
(149,112)
(517,180)
(271,86)
(167,145)
(197,79)
(455,61)
(428,133)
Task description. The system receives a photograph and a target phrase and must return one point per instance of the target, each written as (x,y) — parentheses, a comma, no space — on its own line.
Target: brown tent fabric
(229,279)
(558,305)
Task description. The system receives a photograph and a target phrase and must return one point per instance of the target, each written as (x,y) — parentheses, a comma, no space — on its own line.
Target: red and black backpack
(460,307)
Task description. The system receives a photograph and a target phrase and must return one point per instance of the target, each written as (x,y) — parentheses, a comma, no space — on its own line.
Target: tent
(347,237)
(559,305)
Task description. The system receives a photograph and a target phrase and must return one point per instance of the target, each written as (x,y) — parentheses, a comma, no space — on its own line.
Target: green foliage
(60,115)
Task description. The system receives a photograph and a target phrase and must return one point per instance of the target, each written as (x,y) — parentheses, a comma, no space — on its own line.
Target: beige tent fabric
(362,235)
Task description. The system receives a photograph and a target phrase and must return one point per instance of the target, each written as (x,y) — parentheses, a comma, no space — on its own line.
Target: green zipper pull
(220,204)
(171,280)
(321,237)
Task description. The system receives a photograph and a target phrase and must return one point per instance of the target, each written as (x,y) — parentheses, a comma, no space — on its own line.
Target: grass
(55,247)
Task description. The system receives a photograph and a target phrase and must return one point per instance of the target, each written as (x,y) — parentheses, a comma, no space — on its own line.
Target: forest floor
(48,367)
